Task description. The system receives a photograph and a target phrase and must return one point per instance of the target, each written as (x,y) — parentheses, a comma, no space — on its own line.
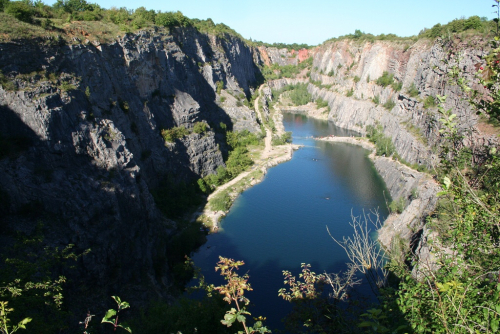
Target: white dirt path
(270,156)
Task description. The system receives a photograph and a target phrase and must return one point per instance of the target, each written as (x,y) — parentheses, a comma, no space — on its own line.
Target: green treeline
(36,12)
(289,47)
(297,93)
(238,159)
(275,71)
(475,24)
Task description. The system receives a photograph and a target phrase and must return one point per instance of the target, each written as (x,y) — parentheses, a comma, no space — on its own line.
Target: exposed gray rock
(419,192)
(414,130)
(93,115)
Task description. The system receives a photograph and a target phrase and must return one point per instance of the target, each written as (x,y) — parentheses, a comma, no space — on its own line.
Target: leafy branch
(234,291)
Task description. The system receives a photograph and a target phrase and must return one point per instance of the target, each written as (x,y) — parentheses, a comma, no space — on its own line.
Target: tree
(20,10)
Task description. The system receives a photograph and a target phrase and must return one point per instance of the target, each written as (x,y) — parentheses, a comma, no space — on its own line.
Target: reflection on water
(281,222)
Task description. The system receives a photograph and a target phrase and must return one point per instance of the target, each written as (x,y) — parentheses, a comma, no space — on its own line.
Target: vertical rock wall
(91,117)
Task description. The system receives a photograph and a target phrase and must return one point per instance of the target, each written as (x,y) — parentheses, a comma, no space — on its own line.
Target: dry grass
(74,32)
(13,29)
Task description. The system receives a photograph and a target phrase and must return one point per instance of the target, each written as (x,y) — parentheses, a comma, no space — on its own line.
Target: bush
(356,79)
(389,104)
(397,85)
(376,99)
(284,139)
(320,103)
(20,10)
(429,102)
(238,161)
(412,90)
(200,127)
(350,92)
(220,202)
(397,206)
(47,24)
(3,4)
(386,79)
(171,19)
(174,133)
(220,86)
(382,143)
(298,93)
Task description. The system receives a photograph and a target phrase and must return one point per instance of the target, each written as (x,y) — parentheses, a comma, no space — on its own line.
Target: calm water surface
(281,222)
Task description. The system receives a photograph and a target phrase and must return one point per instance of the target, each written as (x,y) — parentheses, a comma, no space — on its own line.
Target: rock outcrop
(91,116)
(345,74)
(85,124)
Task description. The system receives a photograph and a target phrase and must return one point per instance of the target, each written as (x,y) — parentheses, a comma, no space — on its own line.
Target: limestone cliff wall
(92,115)
(344,74)
(347,71)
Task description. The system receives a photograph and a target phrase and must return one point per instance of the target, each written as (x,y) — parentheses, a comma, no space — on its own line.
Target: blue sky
(314,21)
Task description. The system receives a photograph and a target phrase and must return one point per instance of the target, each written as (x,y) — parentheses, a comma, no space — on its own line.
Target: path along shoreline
(269,157)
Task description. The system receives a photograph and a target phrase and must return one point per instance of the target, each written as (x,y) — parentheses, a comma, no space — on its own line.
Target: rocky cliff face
(345,73)
(90,116)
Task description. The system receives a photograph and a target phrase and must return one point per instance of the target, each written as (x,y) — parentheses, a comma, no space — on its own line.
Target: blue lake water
(281,222)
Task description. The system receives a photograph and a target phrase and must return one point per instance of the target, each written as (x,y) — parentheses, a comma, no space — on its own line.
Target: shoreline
(269,157)
(254,175)
(418,190)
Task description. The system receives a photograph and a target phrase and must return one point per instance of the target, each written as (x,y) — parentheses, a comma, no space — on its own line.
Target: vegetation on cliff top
(67,19)
(461,295)
(474,24)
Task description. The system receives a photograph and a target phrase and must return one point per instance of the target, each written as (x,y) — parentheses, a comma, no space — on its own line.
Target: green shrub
(386,79)
(238,161)
(397,85)
(383,144)
(20,10)
(200,127)
(123,105)
(171,19)
(284,139)
(170,135)
(429,102)
(389,104)
(320,103)
(412,90)
(376,99)
(276,71)
(220,86)
(3,4)
(356,79)
(397,206)
(297,93)
(220,202)
(6,83)
(350,92)
(47,24)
